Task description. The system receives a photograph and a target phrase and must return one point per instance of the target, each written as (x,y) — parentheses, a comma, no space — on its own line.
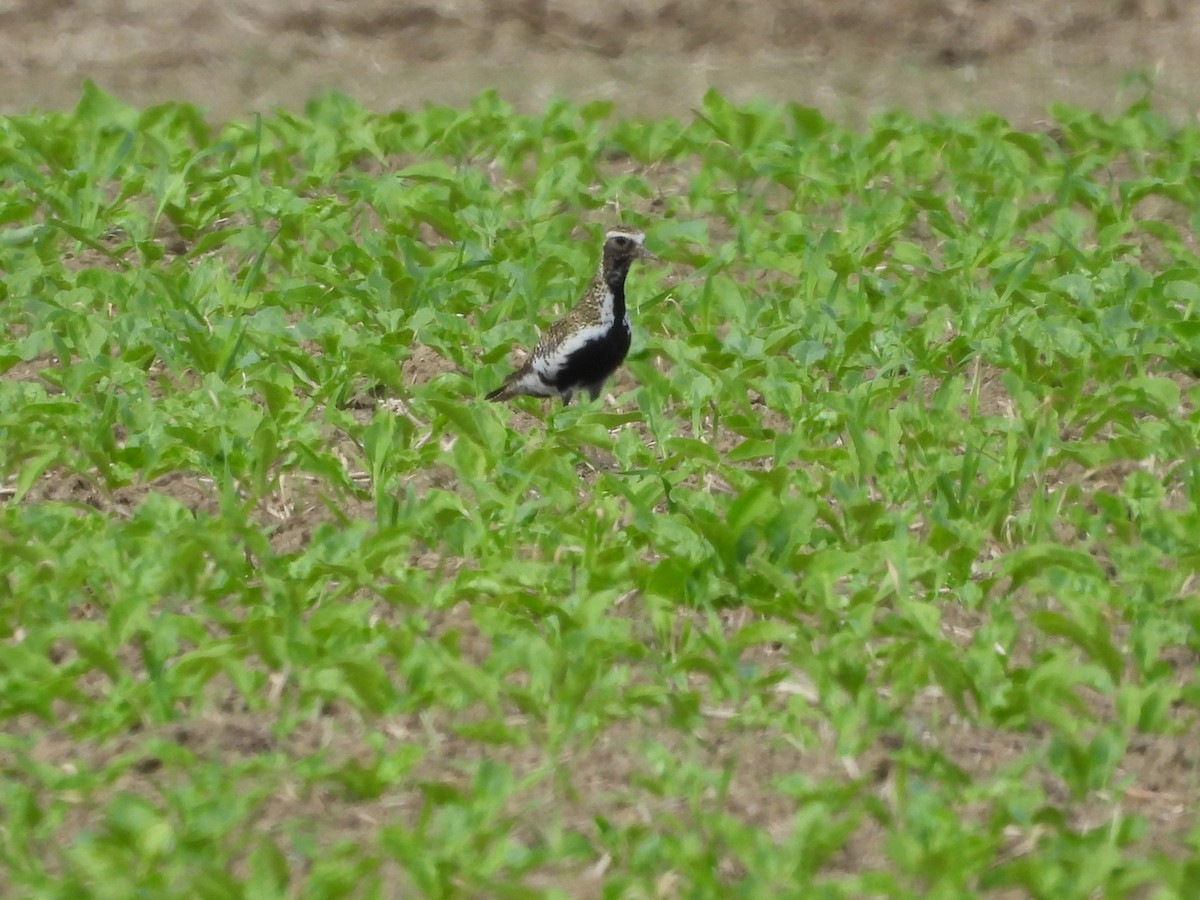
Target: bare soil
(851,59)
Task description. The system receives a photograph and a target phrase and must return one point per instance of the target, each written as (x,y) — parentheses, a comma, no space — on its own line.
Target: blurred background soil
(851,59)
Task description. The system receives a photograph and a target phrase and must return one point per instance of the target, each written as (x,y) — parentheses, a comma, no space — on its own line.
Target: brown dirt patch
(849,59)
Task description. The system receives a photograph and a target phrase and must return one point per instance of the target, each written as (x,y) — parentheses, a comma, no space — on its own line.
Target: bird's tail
(503,392)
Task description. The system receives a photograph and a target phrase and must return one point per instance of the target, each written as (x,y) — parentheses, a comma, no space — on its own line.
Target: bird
(584,347)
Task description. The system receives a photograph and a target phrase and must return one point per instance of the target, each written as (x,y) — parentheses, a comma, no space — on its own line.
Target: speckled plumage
(585,346)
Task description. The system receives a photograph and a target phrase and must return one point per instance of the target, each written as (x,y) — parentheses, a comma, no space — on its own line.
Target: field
(875,572)
(851,59)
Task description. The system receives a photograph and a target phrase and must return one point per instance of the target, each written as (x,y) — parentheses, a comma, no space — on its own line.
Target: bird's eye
(622,241)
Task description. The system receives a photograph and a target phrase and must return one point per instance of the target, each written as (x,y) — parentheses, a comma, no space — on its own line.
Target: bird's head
(625,244)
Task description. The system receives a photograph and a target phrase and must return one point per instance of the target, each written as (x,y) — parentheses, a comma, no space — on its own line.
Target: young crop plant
(869,570)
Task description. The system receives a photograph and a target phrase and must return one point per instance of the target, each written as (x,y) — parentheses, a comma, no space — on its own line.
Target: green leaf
(1095,644)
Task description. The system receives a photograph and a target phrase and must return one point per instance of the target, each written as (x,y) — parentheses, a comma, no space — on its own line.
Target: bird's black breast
(595,360)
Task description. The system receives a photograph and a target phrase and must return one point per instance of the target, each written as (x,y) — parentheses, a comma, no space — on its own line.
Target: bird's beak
(643,253)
